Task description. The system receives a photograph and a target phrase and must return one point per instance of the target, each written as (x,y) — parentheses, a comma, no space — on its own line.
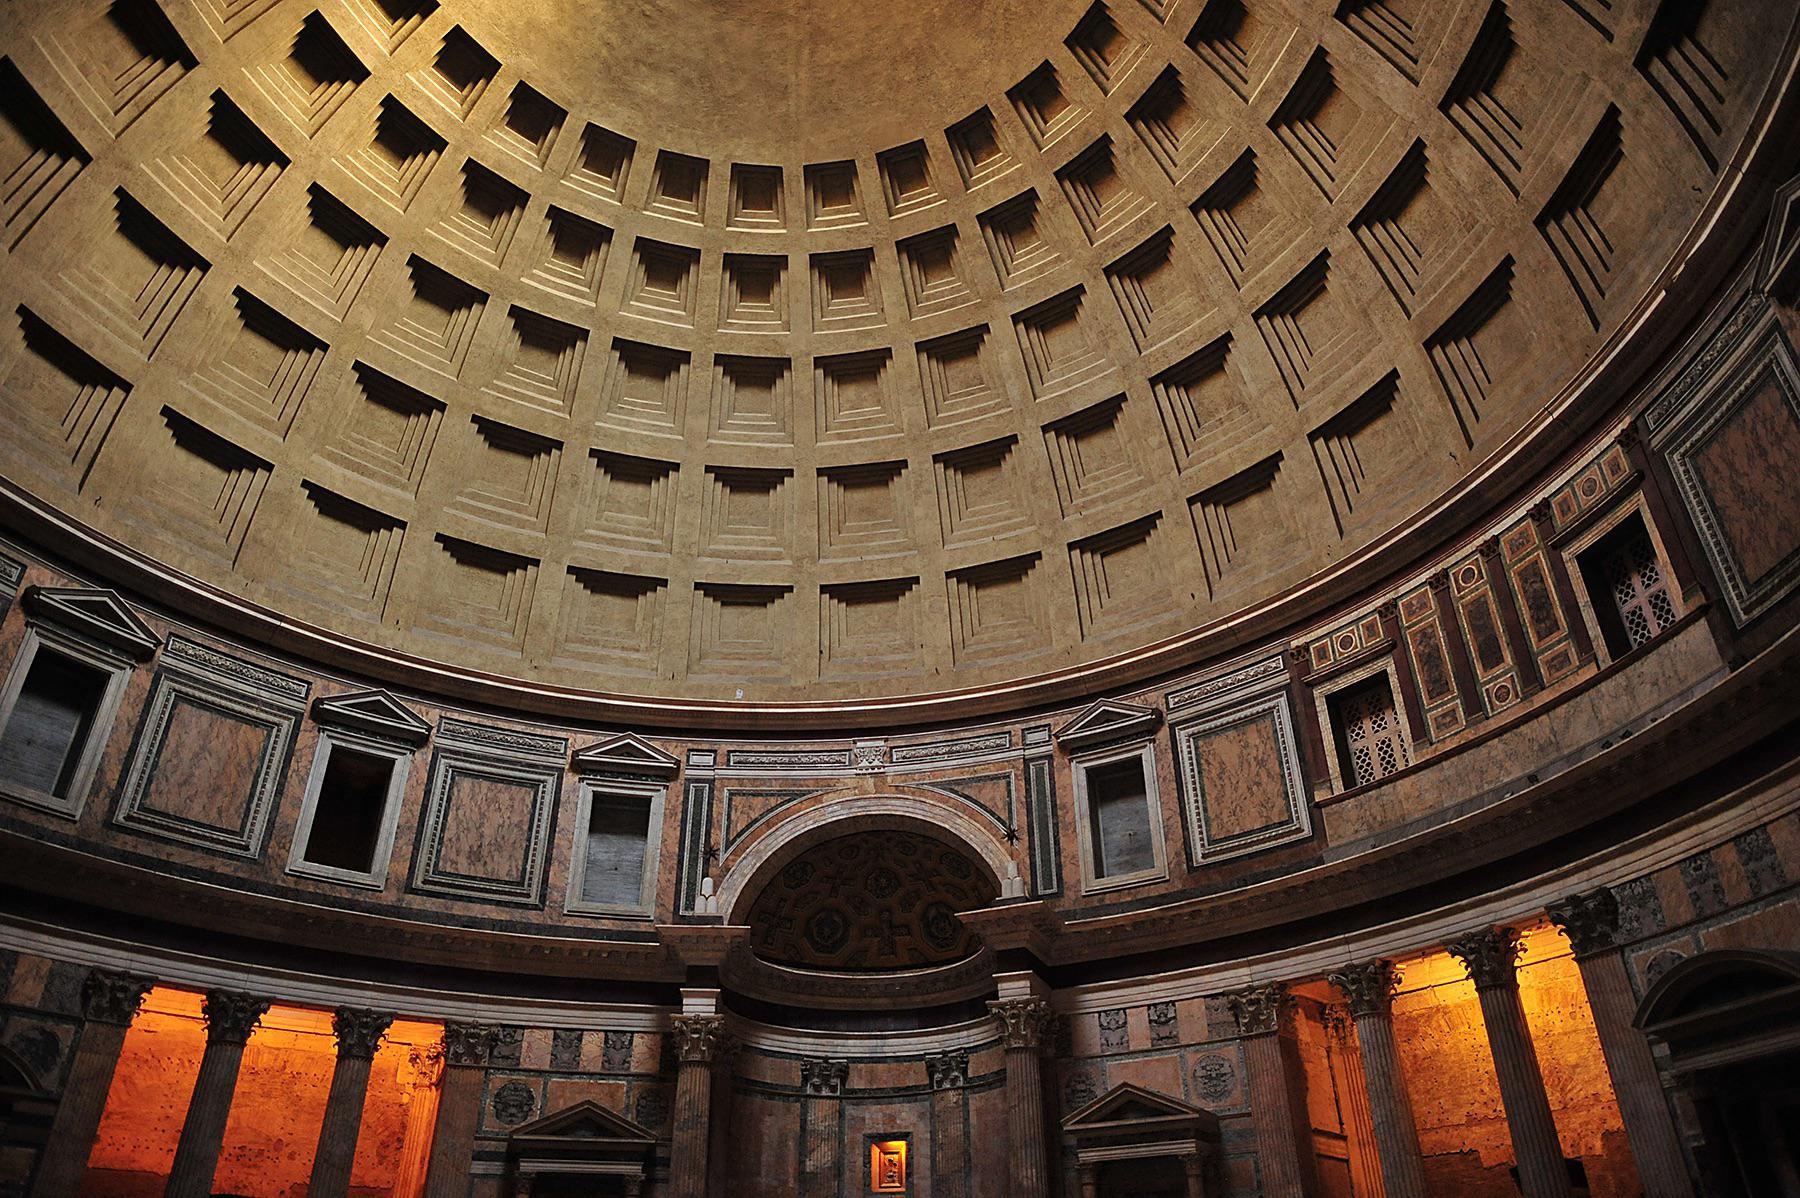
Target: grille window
(1628,587)
(1369,743)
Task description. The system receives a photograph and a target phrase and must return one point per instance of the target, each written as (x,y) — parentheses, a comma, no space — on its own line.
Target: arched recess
(925,817)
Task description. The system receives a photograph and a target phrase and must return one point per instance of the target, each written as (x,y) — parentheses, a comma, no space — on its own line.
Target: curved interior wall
(1536,745)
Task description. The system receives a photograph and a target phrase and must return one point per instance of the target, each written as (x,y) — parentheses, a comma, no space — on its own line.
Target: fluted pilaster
(1277,1105)
(699,1041)
(1024,1025)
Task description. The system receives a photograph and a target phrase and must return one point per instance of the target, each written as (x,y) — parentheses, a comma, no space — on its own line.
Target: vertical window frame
(1576,549)
(1324,694)
(117,668)
(1079,766)
(656,795)
(400,758)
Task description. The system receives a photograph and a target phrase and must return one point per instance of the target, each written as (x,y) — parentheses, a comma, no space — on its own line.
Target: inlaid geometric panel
(489,800)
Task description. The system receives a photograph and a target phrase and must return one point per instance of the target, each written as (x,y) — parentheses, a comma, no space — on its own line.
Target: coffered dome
(817,354)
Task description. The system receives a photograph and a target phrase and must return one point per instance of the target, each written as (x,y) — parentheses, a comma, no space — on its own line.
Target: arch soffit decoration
(928,817)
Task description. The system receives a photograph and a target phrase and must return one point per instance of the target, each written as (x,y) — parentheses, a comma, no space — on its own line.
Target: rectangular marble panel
(485,829)
(210,754)
(1240,776)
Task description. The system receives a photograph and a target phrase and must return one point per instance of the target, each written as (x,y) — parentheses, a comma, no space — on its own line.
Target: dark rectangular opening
(346,825)
(618,832)
(1119,818)
(44,740)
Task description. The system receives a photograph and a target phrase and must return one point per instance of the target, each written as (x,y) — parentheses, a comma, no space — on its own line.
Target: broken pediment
(1107,721)
(374,713)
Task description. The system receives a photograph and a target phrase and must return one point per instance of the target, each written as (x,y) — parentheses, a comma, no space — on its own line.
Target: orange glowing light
(887,1167)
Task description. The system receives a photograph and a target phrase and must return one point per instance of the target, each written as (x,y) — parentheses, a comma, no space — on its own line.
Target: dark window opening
(1119,818)
(43,743)
(346,825)
(1629,590)
(1369,744)
(618,832)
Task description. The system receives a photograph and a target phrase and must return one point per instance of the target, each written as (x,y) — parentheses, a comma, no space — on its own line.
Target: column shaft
(1490,955)
(453,1138)
(1649,1125)
(65,1158)
(1591,922)
(1390,1107)
(466,1050)
(230,1018)
(336,1152)
(109,1002)
(1542,1173)
(1025,1122)
(693,1100)
(1359,1119)
(1272,1114)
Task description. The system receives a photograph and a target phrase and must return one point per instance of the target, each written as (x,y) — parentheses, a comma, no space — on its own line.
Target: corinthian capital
(469,1044)
(1024,1022)
(698,1037)
(1490,955)
(109,997)
(1590,921)
(231,1015)
(359,1031)
(824,1077)
(1368,988)
(1259,1010)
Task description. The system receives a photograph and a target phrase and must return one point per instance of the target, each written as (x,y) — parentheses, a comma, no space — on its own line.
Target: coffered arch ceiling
(881,900)
(816,350)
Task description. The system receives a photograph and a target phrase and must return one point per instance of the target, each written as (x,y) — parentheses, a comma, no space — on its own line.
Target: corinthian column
(1591,922)
(1023,1024)
(1491,956)
(230,1018)
(699,1039)
(359,1034)
(1368,990)
(1277,1101)
(466,1050)
(109,1002)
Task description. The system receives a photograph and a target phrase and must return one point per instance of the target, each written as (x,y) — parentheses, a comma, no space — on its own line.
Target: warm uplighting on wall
(887,1166)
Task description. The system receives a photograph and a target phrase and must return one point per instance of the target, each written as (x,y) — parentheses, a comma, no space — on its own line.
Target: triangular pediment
(98,615)
(1106,721)
(1125,1104)
(626,753)
(586,1124)
(1779,271)
(375,713)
